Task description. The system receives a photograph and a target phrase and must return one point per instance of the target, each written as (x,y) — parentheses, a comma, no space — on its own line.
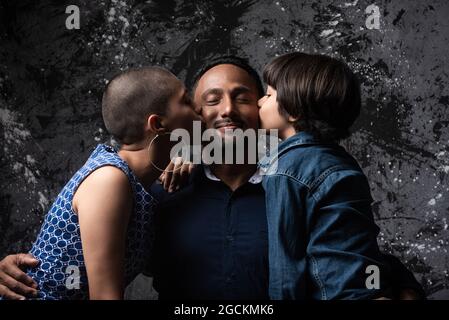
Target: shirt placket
(229,258)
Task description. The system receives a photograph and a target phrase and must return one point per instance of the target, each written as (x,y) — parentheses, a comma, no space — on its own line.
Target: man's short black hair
(228,59)
(131,96)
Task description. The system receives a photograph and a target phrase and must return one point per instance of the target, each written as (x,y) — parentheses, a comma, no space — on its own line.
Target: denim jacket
(321,231)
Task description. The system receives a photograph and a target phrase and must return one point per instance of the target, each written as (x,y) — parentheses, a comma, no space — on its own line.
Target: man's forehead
(225,75)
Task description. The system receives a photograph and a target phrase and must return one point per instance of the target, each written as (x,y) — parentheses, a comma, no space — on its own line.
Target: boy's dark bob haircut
(320,92)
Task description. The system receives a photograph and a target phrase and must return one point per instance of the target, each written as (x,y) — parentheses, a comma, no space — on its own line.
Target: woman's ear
(154,124)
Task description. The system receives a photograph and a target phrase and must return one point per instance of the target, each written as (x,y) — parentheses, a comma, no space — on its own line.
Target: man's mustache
(228,121)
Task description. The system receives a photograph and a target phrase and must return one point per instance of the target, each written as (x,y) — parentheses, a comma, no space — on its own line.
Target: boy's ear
(154,124)
(292,119)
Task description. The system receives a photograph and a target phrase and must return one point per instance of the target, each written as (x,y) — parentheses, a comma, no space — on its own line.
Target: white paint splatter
(125,21)
(351,4)
(326,33)
(440,155)
(444,169)
(30,159)
(29,176)
(43,201)
(13,130)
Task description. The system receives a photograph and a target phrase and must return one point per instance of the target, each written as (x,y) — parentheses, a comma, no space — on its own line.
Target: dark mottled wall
(51,81)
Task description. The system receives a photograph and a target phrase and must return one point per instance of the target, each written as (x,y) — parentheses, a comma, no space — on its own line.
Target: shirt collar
(256,178)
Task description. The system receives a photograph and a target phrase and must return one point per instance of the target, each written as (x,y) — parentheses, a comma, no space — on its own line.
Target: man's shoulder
(163,197)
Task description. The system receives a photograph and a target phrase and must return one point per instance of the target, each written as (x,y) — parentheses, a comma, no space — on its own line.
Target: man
(211,240)
(216,246)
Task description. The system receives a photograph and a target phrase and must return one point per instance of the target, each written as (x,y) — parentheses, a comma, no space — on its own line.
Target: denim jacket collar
(301,138)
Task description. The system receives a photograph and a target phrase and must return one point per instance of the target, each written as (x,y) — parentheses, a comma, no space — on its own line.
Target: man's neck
(234,175)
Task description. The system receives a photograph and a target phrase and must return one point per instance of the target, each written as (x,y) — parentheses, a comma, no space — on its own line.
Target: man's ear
(154,124)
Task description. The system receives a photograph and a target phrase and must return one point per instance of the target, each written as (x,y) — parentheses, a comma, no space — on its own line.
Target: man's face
(227,98)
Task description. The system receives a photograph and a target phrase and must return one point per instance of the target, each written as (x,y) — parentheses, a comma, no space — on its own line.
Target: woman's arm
(103,203)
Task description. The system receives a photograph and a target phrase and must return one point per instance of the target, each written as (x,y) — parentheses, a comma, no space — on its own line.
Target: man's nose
(228,107)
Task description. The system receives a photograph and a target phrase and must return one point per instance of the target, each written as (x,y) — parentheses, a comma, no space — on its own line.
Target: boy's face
(270,117)
(227,98)
(181,113)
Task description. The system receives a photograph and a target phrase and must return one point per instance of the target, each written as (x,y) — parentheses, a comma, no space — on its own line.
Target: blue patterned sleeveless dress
(61,273)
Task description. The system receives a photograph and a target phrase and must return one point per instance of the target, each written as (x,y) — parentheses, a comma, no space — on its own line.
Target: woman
(96,236)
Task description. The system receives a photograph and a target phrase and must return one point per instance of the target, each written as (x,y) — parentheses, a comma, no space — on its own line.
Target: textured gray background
(51,81)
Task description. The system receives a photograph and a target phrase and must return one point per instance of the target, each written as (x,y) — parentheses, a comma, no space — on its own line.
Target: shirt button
(229,238)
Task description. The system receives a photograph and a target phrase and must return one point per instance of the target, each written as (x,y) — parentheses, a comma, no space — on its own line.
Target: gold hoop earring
(148,150)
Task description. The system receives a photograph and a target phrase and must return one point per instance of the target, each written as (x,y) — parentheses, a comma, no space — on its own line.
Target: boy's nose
(260,102)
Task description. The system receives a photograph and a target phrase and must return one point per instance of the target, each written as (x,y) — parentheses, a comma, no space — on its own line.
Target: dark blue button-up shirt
(211,242)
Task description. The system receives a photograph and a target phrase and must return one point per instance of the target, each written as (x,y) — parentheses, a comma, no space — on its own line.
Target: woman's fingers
(168,172)
(191,167)
(176,176)
(186,170)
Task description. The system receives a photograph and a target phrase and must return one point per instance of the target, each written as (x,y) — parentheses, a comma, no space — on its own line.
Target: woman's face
(181,112)
(270,118)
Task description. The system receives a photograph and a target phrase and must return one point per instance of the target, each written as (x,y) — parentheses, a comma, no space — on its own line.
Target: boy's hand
(176,175)
(14,283)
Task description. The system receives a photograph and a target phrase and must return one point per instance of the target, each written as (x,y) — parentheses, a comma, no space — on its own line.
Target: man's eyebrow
(211,91)
(241,89)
